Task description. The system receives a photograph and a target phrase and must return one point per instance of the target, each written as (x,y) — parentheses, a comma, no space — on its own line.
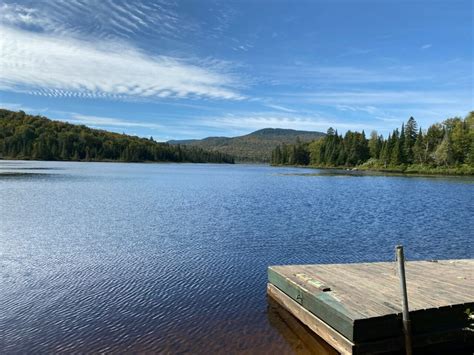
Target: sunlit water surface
(172,258)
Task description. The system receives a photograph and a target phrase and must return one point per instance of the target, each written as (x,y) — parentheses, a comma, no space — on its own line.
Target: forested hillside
(24,136)
(253,147)
(443,147)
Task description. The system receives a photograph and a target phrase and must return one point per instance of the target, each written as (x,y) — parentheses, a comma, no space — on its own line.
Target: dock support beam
(403,289)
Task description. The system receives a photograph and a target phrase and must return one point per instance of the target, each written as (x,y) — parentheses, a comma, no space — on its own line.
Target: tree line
(444,145)
(24,136)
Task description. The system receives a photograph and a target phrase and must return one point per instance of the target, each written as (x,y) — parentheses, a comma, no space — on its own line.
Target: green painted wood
(331,311)
(359,329)
(322,304)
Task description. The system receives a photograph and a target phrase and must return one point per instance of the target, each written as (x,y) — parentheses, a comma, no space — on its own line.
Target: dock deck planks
(361,302)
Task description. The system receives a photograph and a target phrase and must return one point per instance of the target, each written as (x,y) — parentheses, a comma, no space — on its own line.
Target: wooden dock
(356,308)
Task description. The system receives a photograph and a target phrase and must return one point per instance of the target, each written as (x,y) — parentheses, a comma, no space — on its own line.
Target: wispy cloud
(60,67)
(26,17)
(382,97)
(21,107)
(367,109)
(104,19)
(97,121)
(252,121)
(280,108)
(426,46)
(307,73)
(355,52)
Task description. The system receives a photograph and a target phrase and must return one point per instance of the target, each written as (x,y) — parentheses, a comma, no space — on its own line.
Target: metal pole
(403,289)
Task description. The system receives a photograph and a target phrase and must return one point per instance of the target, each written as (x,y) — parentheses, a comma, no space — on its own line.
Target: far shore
(360,170)
(111,161)
(451,172)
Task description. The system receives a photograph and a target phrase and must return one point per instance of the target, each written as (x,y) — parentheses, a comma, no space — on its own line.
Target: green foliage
(332,150)
(295,154)
(375,144)
(446,147)
(410,140)
(24,136)
(254,147)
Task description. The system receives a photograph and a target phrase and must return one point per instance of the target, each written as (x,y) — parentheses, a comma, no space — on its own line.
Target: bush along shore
(444,148)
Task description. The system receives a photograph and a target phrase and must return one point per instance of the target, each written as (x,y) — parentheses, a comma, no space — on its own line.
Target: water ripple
(172,258)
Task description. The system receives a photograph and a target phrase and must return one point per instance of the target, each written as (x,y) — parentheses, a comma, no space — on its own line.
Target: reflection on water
(172,258)
(19,169)
(301,339)
(12,174)
(341,173)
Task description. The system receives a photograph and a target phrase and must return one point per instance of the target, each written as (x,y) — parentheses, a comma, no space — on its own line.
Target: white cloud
(367,109)
(21,107)
(426,46)
(280,108)
(347,74)
(58,67)
(104,18)
(255,121)
(22,16)
(109,122)
(314,73)
(383,97)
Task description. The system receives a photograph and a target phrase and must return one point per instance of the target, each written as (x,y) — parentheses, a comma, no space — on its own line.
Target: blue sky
(191,69)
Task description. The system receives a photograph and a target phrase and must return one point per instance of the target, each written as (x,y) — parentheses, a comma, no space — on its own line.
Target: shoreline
(385,171)
(114,161)
(359,170)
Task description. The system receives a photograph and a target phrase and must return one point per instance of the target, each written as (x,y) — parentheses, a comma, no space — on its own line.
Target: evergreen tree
(418,149)
(410,139)
(34,137)
(396,154)
(401,146)
(276,156)
(447,145)
(374,145)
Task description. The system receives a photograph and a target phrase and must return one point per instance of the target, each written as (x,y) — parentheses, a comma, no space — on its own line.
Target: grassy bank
(463,170)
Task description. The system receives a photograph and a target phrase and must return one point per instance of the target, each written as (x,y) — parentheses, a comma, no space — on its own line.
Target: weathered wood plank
(330,335)
(362,301)
(321,303)
(302,340)
(448,341)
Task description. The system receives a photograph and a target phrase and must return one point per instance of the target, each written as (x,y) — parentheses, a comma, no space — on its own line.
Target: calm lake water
(172,258)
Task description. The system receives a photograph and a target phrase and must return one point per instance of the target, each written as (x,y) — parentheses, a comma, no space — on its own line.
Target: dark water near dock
(172,258)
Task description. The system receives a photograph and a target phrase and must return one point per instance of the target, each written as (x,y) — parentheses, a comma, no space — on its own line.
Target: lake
(172,257)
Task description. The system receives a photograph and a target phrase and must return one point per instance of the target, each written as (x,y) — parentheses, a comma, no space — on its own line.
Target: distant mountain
(253,147)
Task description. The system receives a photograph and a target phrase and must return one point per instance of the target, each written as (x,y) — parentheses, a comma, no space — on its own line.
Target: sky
(192,69)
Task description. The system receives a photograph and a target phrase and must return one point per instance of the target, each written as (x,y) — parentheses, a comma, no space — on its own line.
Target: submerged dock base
(356,308)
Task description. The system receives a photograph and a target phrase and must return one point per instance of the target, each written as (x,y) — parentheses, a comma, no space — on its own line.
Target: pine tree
(386,152)
(276,156)
(410,139)
(401,146)
(395,156)
(418,149)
